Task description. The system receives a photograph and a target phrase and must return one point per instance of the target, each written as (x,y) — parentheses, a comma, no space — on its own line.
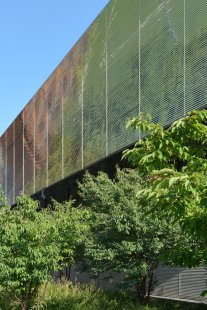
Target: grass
(78,297)
(66,296)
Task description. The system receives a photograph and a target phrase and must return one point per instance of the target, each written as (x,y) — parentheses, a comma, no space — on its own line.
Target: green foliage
(2,197)
(71,226)
(34,243)
(65,296)
(126,237)
(175,165)
(77,297)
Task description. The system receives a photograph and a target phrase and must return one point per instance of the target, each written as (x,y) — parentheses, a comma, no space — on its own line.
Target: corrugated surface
(41,124)
(3,162)
(54,106)
(181,283)
(10,164)
(94,91)
(196,57)
(73,108)
(122,71)
(29,151)
(18,154)
(162,57)
(170,282)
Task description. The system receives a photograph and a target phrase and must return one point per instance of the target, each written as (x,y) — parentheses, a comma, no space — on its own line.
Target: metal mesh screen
(10,164)
(137,55)
(54,101)
(29,140)
(19,154)
(162,70)
(123,70)
(65,69)
(94,91)
(3,163)
(41,139)
(196,57)
(73,105)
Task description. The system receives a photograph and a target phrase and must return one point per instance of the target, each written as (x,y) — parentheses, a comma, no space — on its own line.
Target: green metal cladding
(138,55)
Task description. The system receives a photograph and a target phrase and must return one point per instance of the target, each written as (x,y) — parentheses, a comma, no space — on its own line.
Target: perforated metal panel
(10,164)
(54,101)
(94,91)
(65,73)
(29,151)
(123,71)
(73,110)
(196,57)
(19,154)
(3,163)
(162,70)
(41,125)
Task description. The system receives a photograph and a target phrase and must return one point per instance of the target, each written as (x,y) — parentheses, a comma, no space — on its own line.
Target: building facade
(137,56)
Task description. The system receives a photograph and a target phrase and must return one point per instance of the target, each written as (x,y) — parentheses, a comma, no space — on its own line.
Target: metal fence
(180,283)
(170,282)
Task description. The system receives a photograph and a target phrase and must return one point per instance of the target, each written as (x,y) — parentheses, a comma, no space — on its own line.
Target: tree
(124,236)
(174,160)
(34,242)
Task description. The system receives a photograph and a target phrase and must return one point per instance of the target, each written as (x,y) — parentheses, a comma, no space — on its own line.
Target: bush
(77,297)
(66,296)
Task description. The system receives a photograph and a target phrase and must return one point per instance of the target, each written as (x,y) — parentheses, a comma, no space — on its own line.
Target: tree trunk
(141,290)
(23,303)
(67,273)
(28,299)
(151,278)
(23,306)
(144,287)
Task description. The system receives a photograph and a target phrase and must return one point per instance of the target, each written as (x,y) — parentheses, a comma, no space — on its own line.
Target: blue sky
(34,37)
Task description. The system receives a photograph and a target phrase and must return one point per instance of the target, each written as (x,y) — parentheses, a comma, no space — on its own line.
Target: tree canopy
(124,236)
(34,243)
(174,163)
